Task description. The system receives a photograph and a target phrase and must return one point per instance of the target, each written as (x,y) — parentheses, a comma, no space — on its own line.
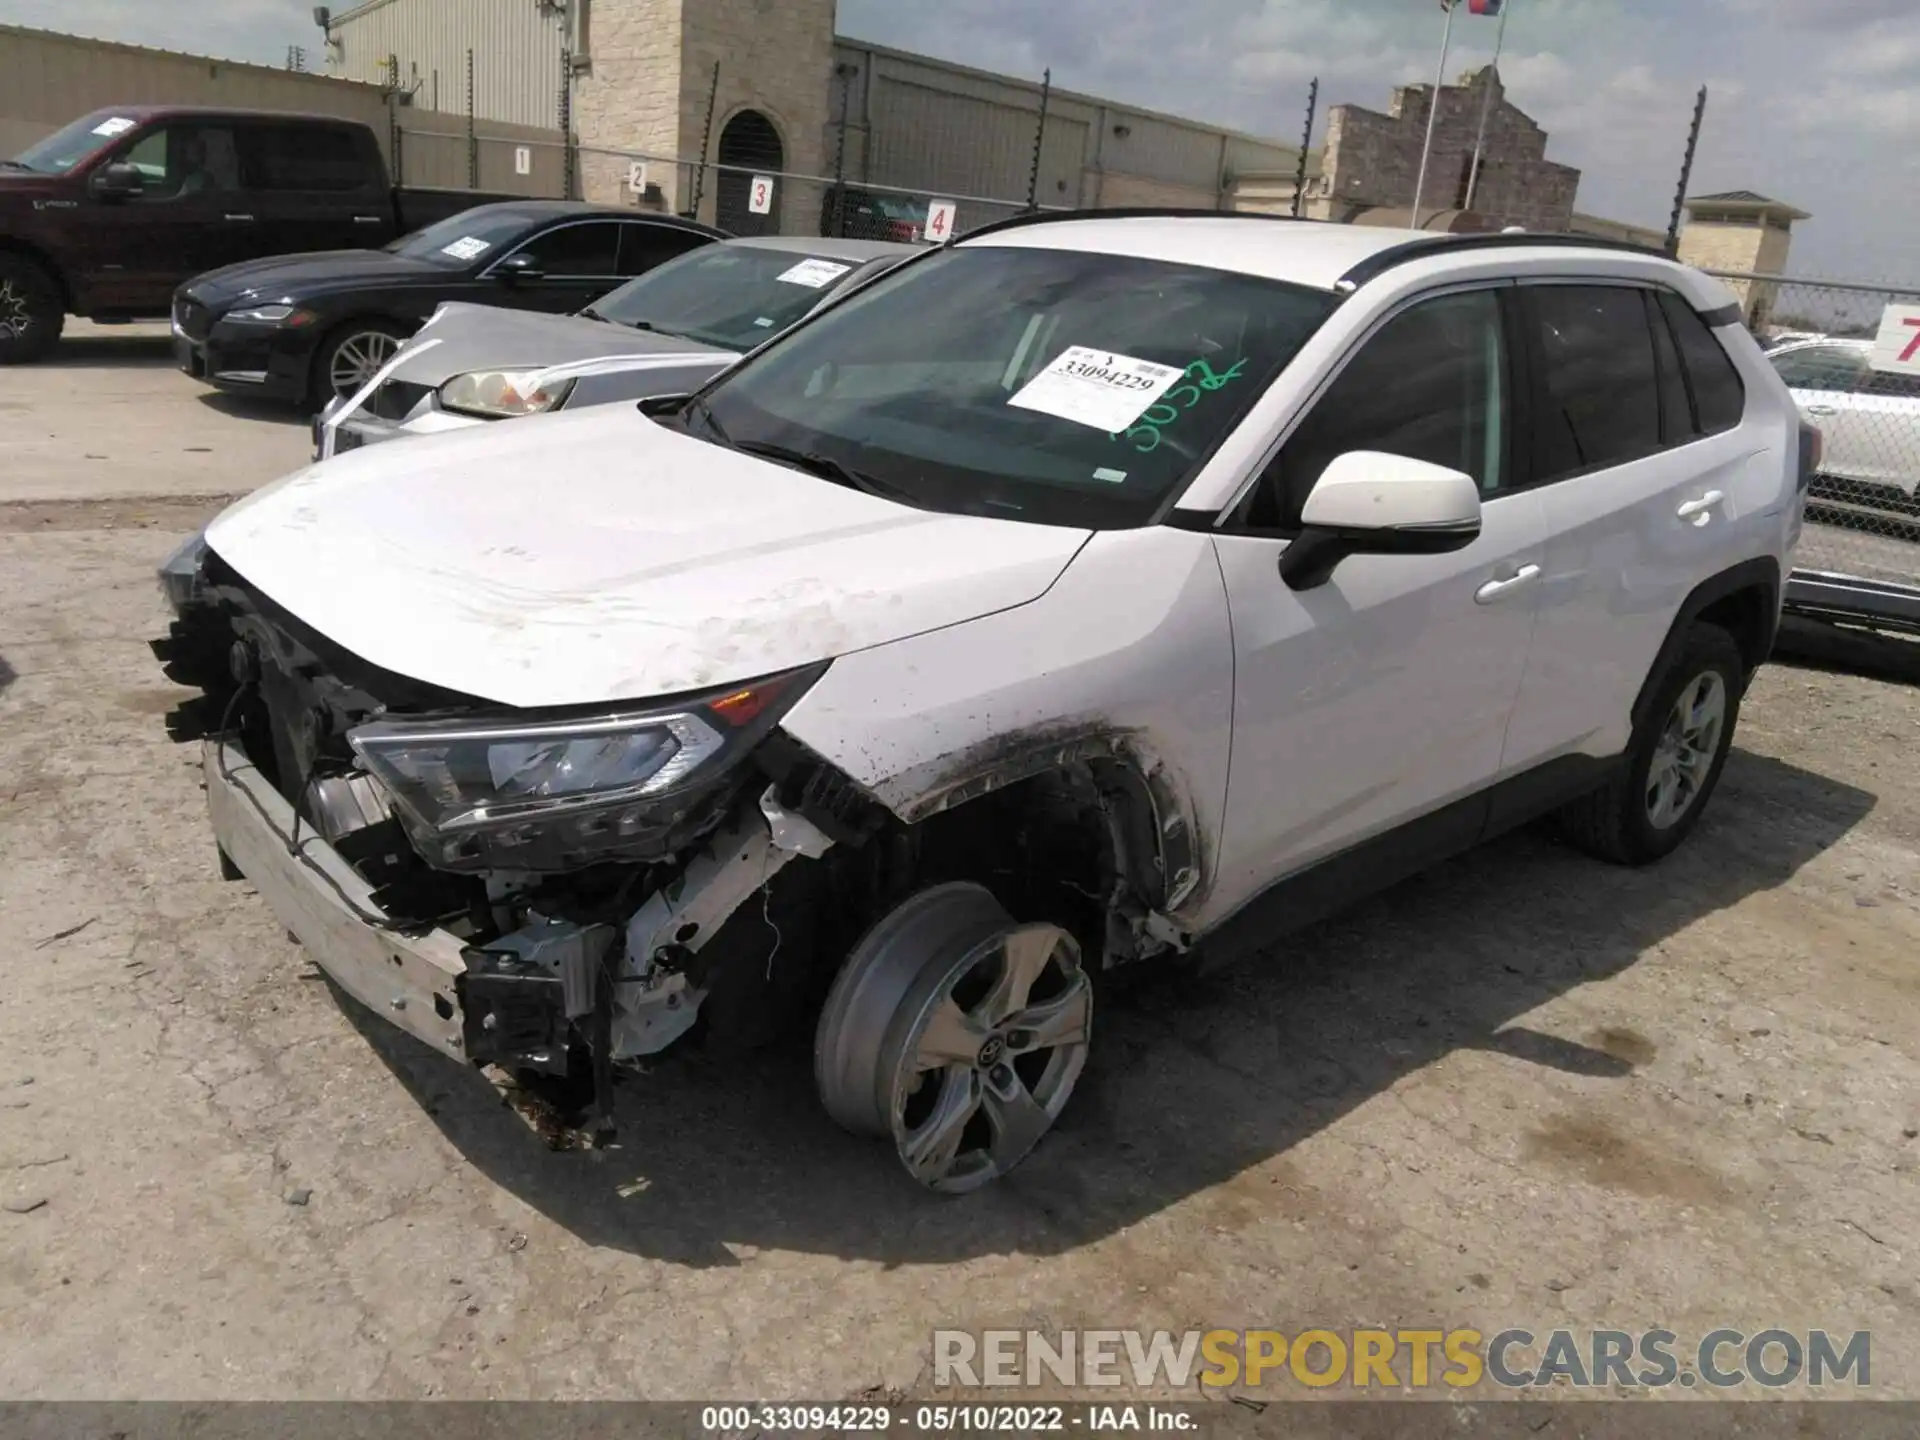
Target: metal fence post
(566,123)
(1300,170)
(1039,140)
(838,220)
(692,212)
(1686,172)
(473,139)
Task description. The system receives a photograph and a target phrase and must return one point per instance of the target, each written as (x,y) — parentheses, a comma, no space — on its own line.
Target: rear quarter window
(1719,397)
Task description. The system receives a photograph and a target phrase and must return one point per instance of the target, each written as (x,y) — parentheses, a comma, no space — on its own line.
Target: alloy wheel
(358,358)
(1683,756)
(15,318)
(956,1033)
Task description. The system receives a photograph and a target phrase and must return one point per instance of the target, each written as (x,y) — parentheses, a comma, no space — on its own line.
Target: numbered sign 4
(760,196)
(940,215)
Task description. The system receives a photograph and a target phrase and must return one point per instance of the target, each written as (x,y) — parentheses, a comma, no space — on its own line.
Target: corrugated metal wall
(516,54)
(48,79)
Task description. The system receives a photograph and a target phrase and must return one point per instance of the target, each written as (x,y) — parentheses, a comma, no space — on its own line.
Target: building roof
(1748,201)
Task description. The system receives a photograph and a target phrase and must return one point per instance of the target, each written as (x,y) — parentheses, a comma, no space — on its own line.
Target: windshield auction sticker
(814,274)
(468,249)
(118,125)
(1096,388)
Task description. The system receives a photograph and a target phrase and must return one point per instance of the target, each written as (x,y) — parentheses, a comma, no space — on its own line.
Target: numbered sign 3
(940,215)
(760,196)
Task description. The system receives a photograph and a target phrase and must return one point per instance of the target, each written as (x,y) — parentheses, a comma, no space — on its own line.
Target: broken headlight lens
(180,573)
(464,776)
(503,394)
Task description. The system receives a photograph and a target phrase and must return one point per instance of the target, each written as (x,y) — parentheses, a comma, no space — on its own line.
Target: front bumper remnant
(410,980)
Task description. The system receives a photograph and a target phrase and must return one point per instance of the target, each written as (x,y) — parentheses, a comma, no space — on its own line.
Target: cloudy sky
(1816,102)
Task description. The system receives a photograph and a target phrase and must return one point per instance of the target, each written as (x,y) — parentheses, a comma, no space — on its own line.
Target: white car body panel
(1132,641)
(662,564)
(1869,438)
(1378,696)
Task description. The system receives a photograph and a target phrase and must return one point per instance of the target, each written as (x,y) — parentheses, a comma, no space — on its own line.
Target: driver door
(1382,695)
(190,217)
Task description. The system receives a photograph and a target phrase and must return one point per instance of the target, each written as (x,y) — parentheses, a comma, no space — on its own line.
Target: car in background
(313,328)
(871,215)
(1869,419)
(666,333)
(107,216)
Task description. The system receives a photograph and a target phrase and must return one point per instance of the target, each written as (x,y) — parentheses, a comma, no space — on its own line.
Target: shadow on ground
(143,347)
(7,675)
(265,412)
(1816,645)
(1191,1081)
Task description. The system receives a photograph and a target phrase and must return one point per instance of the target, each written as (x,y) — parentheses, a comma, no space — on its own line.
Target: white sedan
(1870,419)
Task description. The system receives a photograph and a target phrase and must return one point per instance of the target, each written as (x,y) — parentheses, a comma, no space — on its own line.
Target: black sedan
(308,328)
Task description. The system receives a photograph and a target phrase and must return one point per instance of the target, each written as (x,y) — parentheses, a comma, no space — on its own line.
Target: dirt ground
(1526,1089)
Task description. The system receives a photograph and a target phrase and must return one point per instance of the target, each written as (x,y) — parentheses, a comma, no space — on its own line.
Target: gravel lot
(1524,1090)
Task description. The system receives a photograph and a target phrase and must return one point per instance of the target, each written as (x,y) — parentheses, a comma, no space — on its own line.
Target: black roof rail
(1380,262)
(1125,212)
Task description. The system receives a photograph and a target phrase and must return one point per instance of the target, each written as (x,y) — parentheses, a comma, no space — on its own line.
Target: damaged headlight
(503,394)
(180,573)
(455,778)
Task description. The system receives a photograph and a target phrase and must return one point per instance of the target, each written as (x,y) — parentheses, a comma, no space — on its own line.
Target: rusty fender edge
(407,979)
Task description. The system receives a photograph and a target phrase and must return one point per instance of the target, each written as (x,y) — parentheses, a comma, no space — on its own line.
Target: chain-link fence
(1859,557)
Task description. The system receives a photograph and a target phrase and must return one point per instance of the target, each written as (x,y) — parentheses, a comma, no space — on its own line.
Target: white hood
(576,559)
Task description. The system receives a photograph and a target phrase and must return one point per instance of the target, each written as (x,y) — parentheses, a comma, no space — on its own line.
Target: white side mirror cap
(1368,490)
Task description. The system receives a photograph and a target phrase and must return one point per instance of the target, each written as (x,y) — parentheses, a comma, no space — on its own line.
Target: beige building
(1740,231)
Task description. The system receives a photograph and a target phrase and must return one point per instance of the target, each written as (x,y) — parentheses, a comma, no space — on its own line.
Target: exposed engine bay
(620,882)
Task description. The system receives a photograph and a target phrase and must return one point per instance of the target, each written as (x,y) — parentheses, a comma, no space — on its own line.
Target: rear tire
(1674,762)
(32,313)
(349,357)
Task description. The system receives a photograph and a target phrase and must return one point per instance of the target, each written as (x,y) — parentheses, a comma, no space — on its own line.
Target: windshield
(733,296)
(1032,384)
(67,147)
(470,236)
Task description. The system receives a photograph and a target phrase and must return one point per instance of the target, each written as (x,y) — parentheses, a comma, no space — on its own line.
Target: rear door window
(643,246)
(582,251)
(302,157)
(1599,387)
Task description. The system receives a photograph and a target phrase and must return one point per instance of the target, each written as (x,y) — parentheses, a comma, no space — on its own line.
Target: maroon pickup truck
(105,217)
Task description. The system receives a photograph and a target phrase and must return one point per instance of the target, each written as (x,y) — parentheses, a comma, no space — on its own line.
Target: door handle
(1700,511)
(1823,410)
(366,219)
(241,219)
(1496,589)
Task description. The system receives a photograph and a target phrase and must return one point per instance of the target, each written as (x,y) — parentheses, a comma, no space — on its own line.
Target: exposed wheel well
(1747,615)
(1744,601)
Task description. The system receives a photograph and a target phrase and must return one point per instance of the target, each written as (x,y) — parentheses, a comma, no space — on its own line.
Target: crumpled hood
(593,557)
(474,337)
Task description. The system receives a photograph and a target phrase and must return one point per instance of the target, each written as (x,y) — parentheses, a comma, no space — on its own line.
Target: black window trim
(1686,370)
(1226,520)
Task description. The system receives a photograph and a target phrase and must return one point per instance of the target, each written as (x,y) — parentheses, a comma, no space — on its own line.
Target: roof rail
(1124,212)
(1381,261)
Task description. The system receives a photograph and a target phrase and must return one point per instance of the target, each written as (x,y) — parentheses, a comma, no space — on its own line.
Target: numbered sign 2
(760,195)
(637,177)
(940,221)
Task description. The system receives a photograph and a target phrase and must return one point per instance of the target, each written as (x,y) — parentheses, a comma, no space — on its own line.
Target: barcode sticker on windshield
(1096,388)
(118,125)
(814,274)
(467,249)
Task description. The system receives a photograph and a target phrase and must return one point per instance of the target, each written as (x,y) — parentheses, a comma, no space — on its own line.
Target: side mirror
(516,268)
(1370,503)
(117,181)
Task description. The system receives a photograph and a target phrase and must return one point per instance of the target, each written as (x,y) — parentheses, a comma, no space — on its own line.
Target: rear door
(577,262)
(311,186)
(139,249)
(1647,489)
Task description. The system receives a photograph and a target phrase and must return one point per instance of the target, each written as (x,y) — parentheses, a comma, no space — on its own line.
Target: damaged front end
(544,892)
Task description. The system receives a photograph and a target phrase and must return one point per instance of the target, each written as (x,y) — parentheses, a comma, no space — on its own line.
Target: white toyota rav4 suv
(1099,591)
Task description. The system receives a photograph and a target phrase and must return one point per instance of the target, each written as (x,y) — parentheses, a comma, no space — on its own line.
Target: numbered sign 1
(760,196)
(940,221)
(522,160)
(637,177)
(1897,346)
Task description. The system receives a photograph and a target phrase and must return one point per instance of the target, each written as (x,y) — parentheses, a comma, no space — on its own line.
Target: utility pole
(1486,104)
(1300,170)
(1686,172)
(1433,110)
